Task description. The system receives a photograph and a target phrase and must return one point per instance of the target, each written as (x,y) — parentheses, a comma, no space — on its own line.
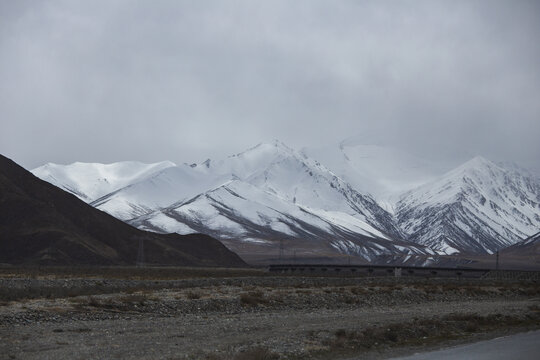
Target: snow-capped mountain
(89,181)
(263,195)
(478,207)
(369,200)
(238,210)
(159,190)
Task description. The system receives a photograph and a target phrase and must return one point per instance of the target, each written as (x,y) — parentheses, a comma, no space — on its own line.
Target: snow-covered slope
(89,181)
(261,196)
(238,213)
(265,193)
(382,171)
(304,181)
(478,207)
(160,190)
(362,199)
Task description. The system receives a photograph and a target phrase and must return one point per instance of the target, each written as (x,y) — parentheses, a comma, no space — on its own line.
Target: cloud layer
(184,80)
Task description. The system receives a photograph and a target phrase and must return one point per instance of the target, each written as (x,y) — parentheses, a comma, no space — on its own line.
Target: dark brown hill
(40,223)
(527,247)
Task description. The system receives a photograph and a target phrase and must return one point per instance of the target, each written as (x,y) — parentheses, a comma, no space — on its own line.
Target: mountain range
(41,224)
(350,199)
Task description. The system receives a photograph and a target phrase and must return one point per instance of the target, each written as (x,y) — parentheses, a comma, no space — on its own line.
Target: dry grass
(126,272)
(253,353)
(419,332)
(132,302)
(300,286)
(256,353)
(253,298)
(193,295)
(358,290)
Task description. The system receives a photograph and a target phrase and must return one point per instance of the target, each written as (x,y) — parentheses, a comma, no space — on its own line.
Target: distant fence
(402,271)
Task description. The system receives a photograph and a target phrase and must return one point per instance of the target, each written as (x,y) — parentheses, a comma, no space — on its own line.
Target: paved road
(524,346)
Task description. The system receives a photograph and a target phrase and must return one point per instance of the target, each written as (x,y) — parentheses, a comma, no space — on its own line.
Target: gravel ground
(222,318)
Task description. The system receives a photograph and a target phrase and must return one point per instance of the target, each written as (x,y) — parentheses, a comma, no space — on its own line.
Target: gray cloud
(184,80)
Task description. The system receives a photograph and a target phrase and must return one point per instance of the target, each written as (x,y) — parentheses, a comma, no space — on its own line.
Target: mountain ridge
(445,213)
(89,181)
(478,207)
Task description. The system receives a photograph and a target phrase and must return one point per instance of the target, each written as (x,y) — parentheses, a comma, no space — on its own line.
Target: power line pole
(281,249)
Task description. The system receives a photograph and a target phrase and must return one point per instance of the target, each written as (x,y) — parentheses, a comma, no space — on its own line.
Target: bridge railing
(401,271)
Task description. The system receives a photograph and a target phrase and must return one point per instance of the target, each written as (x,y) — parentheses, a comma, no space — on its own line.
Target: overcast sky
(105,81)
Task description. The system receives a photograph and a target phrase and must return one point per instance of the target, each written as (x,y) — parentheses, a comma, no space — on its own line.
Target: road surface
(524,346)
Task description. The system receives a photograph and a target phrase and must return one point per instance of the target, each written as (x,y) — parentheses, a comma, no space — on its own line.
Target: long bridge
(402,271)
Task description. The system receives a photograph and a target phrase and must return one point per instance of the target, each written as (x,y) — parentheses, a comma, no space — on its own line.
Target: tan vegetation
(262,317)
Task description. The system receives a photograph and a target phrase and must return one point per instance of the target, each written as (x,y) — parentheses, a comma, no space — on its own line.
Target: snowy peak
(178,184)
(478,167)
(255,159)
(475,173)
(353,197)
(265,152)
(267,192)
(477,177)
(478,207)
(273,168)
(477,162)
(275,146)
(305,182)
(89,181)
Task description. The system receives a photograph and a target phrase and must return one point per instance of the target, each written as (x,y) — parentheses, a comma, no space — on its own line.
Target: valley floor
(253,317)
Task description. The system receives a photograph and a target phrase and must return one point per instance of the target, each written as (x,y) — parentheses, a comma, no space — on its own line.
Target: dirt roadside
(276,318)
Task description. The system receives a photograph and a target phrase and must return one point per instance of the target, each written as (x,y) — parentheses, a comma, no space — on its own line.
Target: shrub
(253,298)
(193,295)
(257,353)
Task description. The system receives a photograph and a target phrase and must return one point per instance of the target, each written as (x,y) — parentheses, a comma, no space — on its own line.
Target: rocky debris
(115,299)
(290,317)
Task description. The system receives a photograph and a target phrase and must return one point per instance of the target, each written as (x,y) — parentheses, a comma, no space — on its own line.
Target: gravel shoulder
(294,318)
